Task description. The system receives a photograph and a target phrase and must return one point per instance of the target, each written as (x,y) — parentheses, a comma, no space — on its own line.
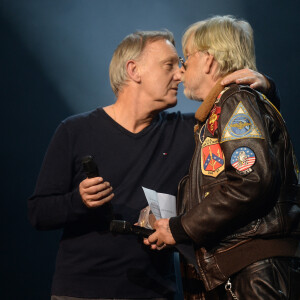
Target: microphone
(120,226)
(89,166)
(91,170)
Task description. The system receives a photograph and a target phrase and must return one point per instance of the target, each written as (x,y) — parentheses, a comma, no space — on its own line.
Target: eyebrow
(170,58)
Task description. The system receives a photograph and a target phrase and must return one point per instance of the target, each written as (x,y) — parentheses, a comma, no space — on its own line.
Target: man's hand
(94,192)
(161,237)
(252,78)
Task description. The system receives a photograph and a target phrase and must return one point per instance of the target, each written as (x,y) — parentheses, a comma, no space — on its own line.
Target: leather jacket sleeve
(236,196)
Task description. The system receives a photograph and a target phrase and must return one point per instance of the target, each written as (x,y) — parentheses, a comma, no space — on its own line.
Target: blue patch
(240,126)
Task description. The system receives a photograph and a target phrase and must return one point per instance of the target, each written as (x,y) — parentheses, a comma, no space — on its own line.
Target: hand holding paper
(163,207)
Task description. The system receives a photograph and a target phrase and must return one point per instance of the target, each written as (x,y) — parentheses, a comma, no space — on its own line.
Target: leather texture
(269,279)
(223,209)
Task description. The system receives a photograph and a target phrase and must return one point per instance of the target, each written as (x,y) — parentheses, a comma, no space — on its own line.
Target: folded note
(161,205)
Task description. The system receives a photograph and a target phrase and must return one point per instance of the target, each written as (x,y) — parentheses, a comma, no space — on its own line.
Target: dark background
(54,62)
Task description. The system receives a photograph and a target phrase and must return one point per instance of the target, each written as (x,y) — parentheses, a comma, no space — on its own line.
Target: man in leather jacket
(240,204)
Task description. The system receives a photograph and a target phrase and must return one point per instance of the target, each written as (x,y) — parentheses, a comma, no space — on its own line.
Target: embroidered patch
(240,126)
(212,158)
(242,159)
(201,133)
(212,123)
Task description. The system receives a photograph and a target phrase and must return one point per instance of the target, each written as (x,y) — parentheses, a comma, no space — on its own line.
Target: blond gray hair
(131,48)
(228,40)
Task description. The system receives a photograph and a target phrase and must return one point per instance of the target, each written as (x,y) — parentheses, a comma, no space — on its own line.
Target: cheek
(193,78)
(188,78)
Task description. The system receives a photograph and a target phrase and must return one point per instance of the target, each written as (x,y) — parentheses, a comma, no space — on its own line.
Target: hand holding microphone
(120,226)
(94,190)
(162,236)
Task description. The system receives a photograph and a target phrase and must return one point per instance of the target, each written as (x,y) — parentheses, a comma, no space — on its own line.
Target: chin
(172,104)
(190,95)
(165,104)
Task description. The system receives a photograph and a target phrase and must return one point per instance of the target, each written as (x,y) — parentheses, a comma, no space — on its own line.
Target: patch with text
(212,158)
(242,159)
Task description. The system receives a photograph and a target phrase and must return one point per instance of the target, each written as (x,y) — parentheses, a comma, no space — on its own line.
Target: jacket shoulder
(235,89)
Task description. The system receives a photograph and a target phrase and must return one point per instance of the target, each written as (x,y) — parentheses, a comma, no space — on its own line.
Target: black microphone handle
(91,170)
(121,226)
(89,167)
(141,231)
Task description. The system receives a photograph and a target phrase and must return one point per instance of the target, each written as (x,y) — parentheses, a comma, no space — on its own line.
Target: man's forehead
(160,48)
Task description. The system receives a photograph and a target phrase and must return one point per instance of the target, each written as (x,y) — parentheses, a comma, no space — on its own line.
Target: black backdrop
(54,63)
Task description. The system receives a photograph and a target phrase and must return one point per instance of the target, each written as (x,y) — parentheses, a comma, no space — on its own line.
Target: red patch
(212,123)
(212,158)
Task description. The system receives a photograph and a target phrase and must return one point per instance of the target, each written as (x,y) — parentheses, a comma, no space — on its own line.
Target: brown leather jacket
(240,202)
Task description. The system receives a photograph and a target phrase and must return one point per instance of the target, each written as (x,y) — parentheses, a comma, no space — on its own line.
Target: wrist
(177,230)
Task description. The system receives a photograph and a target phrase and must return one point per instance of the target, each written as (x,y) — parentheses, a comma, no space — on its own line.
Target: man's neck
(130,112)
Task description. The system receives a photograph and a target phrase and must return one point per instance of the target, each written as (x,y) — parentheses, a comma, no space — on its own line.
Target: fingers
(97,203)
(155,242)
(233,77)
(254,85)
(98,191)
(248,77)
(151,241)
(246,80)
(89,182)
(94,192)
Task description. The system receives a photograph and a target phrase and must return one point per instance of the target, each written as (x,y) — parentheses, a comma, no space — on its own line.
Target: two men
(240,203)
(134,144)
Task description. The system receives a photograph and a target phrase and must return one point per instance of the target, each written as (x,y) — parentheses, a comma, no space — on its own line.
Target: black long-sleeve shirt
(91,261)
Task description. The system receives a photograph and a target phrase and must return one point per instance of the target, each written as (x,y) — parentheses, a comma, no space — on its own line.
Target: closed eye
(169,66)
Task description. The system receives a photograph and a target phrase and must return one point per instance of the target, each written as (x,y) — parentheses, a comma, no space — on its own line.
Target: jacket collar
(204,109)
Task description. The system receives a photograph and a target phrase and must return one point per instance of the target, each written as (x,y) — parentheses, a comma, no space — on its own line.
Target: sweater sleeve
(56,201)
(273,93)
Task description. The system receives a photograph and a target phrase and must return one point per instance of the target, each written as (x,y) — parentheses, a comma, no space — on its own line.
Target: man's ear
(133,71)
(209,60)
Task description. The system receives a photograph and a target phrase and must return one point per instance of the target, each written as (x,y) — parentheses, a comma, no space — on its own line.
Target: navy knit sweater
(92,262)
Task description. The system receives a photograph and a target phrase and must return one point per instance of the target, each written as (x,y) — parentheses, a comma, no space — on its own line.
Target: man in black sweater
(135,144)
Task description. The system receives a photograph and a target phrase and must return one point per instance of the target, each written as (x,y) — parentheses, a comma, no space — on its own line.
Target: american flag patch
(242,160)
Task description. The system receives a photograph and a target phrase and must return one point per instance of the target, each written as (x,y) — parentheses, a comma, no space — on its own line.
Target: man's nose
(178,74)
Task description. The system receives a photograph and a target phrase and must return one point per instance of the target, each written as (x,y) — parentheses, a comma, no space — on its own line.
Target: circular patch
(240,125)
(242,159)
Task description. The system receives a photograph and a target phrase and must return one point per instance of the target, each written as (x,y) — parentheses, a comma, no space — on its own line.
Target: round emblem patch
(242,159)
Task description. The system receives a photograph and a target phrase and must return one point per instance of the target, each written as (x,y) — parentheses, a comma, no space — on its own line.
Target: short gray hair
(132,47)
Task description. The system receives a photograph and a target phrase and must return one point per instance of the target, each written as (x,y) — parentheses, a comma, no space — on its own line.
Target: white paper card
(161,205)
